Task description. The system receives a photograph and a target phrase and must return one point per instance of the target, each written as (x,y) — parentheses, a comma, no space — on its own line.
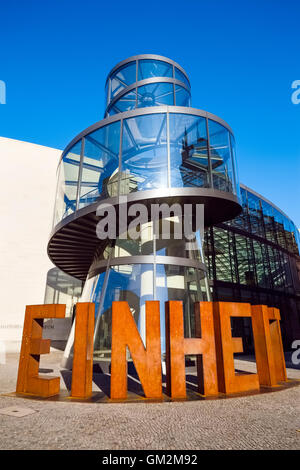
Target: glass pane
(220,157)
(62,289)
(126,102)
(180,283)
(144,153)
(189,249)
(182,96)
(154,68)
(293,237)
(235,165)
(268,218)
(100,164)
(180,76)
(122,78)
(188,150)
(255,215)
(279,228)
(155,94)
(242,220)
(113,110)
(67,184)
(140,243)
(223,266)
(130,283)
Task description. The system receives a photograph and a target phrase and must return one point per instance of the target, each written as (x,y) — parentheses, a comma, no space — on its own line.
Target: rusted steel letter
(82,372)
(147,361)
(177,347)
(29,381)
(268,345)
(226,346)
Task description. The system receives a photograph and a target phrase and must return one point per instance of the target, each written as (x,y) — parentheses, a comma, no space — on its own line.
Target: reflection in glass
(134,284)
(67,184)
(184,284)
(188,150)
(122,78)
(220,155)
(62,289)
(100,164)
(126,102)
(180,76)
(182,96)
(154,68)
(130,283)
(155,94)
(235,166)
(144,153)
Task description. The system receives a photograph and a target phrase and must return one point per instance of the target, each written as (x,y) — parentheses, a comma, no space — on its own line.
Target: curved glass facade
(138,69)
(255,258)
(151,94)
(151,140)
(143,152)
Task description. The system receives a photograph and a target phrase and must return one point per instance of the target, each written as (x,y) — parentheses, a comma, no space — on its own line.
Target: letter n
(29,381)
(146,360)
(177,347)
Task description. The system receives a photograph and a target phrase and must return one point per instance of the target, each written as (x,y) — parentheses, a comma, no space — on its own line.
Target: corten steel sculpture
(214,348)
(268,345)
(203,347)
(29,381)
(226,346)
(146,360)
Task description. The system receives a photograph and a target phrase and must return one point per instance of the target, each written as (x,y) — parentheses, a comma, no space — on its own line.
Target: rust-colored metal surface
(29,381)
(268,345)
(147,360)
(82,372)
(177,347)
(226,346)
(213,347)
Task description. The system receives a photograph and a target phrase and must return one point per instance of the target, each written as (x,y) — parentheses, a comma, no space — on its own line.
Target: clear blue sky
(241,57)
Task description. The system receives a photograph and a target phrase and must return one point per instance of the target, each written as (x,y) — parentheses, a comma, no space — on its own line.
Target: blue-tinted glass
(255,215)
(122,78)
(111,111)
(180,76)
(107,85)
(188,151)
(279,228)
(220,157)
(126,102)
(144,153)
(235,165)
(155,94)
(128,283)
(182,96)
(100,164)
(154,68)
(268,218)
(67,184)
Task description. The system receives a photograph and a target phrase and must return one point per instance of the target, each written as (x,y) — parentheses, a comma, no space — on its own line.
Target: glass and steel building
(153,148)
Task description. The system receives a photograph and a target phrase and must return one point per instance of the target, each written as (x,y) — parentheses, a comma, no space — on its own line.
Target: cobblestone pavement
(264,421)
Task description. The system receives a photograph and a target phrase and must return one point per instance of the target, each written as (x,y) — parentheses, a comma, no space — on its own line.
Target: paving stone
(263,421)
(16,411)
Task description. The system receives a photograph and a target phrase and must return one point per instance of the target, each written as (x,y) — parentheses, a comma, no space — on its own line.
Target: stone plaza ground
(262,421)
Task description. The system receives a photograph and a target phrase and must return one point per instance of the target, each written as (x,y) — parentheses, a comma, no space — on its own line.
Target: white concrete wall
(27,191)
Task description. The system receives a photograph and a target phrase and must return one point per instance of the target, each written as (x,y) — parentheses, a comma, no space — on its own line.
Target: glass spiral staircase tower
(150,148)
